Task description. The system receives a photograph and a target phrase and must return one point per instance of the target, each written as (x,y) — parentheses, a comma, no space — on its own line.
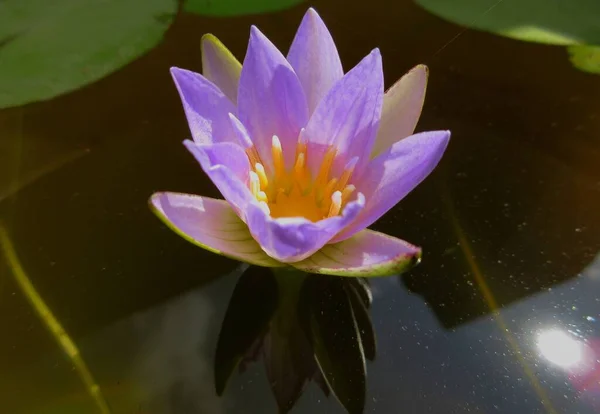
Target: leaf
(48,48)
(363,322)
(236,7)
(585,58)
(252,305)
(336,341)
(561,22)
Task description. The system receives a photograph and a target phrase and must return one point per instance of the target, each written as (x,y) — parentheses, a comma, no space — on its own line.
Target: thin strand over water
(48,318)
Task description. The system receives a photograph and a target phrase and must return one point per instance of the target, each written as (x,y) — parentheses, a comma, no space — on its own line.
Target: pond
(104,309)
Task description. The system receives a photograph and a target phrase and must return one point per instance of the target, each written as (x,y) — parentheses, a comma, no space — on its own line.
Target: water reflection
(304,328)
(522,174)
(560,348)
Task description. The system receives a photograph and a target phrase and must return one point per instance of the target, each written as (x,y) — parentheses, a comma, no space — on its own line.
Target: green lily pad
(48,48)
(236,7)
(561,22)
(585,58)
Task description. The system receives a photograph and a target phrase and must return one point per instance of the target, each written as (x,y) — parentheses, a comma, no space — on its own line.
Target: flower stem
(55,328)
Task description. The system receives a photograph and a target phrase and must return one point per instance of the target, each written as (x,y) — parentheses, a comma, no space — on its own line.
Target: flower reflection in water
(304,328)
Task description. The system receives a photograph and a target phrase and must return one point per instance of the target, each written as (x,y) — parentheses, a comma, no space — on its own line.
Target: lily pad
(585,58)
(561,22)
(48,48)
(236,7)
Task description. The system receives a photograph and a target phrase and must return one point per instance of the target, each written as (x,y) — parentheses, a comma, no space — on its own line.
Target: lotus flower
(305,156)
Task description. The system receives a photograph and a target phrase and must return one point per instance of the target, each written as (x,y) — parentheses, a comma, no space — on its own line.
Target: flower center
(295,193)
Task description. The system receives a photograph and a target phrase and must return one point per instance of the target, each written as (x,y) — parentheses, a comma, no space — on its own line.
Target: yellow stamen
(262,196)
(301,176)
(348,190)
(336,204)
(254,183)
(301,146)
(293,193)
(277,153)
(253,156)
(326,166)
(329,189)
(348,172)
(262,175)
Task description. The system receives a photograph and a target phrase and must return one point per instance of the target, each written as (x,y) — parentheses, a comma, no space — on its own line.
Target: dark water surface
(509,221)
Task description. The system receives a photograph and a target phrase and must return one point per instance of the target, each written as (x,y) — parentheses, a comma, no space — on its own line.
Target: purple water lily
(305,156)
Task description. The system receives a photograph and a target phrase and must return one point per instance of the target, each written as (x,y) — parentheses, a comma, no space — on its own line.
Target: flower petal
(227,165)
(366,254)
(292,239)
(270,99)
(315,58)
(393,174)
(220,66)
(348,116)
(206,107)
(402,105)
(210,224)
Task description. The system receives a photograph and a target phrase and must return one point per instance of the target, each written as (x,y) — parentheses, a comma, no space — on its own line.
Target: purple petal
(315,58)
(227,165)
(348,116)
(393,174)
(210,224)
(402,105)
(366,254)
(270,99)
(292,239)
(220,66)
(206,107)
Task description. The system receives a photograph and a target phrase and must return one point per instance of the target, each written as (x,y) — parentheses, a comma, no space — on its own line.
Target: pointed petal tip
(375,59)
(255,32)
(153,200)
(208,37)
(376,53)
(207,40)
(189,144)
(421,69)
(174,70)
(313,15)
(178,73)
(446,135)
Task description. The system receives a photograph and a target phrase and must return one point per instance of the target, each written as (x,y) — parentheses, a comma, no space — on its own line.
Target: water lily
(305,155)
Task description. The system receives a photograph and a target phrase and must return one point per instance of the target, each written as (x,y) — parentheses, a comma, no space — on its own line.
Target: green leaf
(48,48)
(561,22)
(236,7)
(336,340)
(252,305)
(585,58)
